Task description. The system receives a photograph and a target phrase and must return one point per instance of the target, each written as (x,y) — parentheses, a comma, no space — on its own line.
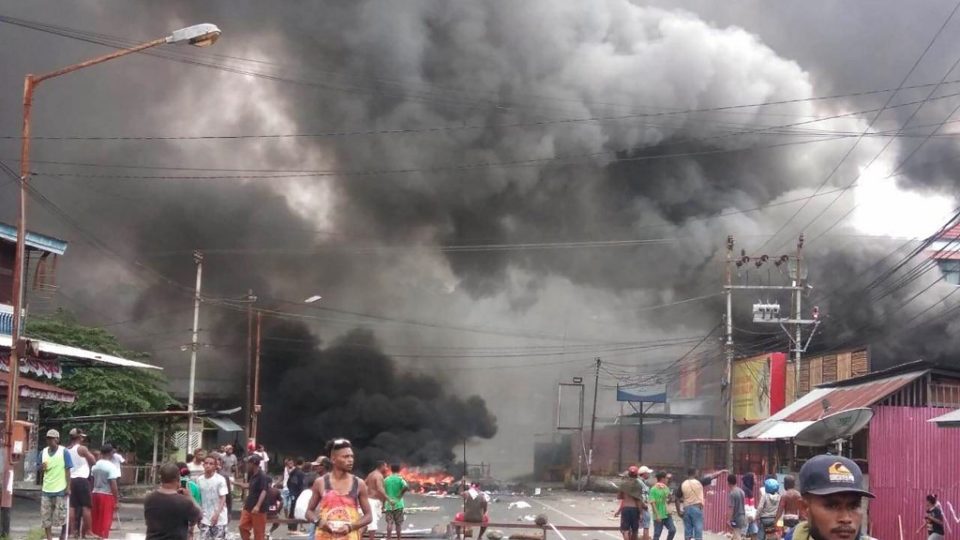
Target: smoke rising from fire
(504,80)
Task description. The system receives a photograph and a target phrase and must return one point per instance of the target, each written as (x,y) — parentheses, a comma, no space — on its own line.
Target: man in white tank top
(81,501)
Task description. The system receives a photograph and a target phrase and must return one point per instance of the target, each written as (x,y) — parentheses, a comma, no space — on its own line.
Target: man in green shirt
(659,495)
(395,487)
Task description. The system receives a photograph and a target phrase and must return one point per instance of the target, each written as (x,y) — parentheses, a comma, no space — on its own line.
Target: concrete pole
(198,259)
(593,422)
(798,298)
(729,353)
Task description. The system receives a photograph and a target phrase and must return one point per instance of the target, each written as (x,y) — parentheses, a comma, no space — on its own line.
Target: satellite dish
(834,427)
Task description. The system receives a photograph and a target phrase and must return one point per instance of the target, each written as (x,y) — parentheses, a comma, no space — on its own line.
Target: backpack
(273,501)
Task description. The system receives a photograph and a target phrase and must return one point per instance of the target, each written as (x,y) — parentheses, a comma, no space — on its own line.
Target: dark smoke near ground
(350,389)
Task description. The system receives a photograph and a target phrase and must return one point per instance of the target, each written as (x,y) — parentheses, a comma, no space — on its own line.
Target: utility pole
(768,313)
(256,378)
(248,409)
(798,298)
(198,259)
(593,421)
(728,349)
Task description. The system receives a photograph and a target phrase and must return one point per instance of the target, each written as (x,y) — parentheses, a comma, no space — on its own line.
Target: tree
(104,390)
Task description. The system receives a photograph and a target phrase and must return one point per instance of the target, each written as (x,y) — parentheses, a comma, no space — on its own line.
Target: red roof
(851,397)
(40,390)
(950,234)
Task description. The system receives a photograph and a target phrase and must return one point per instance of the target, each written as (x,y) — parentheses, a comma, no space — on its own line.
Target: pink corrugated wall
(908,459)
(716,512)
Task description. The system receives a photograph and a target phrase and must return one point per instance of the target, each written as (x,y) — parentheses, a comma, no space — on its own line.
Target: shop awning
(224,424)
(55,349)
(951,419)
(812,406)
(30,388)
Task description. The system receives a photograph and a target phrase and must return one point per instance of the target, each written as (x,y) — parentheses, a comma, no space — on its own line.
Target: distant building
(904,455)
(46,364)
(946,251)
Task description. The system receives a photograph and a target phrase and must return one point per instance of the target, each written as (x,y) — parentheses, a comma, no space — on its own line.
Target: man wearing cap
(631,503)
(253,518)
(833,490)
(55,464)
(106,495)
(646,518)
(81,502)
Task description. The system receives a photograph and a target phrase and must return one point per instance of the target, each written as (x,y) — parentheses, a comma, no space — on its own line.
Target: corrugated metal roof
(852,397)
(39,389)
(81,354)
(809,408)
(950,419)
(224,424)
(757,430)
(34,240)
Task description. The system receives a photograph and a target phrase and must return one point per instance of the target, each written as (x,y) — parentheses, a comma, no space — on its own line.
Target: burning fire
(424,480)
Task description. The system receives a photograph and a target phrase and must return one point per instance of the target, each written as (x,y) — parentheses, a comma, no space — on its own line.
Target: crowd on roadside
(824,502)
(319,499)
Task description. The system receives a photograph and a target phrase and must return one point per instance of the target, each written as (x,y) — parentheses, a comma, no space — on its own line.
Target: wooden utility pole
(593,422)
(256,378)
(248,409)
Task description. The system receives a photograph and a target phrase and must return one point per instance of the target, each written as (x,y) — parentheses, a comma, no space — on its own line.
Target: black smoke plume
(350,389)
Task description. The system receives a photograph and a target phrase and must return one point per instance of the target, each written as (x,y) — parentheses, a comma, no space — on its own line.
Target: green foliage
(104,390)
(35,534)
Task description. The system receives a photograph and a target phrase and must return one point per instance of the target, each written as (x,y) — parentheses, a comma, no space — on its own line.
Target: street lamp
(200,35)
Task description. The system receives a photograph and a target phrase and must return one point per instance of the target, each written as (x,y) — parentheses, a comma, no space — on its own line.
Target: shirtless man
(631,504)
(377,495)
(339,505)
(791,504)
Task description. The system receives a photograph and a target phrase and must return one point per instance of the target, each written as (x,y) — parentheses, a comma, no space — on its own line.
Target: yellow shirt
(692,491)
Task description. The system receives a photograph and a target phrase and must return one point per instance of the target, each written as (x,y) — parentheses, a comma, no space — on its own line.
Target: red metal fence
(908,459)
(716,511)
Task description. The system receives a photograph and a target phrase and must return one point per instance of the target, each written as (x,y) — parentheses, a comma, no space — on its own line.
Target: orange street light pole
(200,35)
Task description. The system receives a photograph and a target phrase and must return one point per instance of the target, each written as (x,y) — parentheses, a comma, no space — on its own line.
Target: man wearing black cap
(832,489)
(253,518)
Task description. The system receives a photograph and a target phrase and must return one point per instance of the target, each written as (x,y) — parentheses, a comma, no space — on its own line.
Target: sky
(499,192)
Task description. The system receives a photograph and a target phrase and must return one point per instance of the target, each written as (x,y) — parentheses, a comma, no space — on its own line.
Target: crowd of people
(827,505)
(323,499)
(320,499)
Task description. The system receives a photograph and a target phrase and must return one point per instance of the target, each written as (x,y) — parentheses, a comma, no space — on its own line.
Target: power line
(856,143)
(114,42)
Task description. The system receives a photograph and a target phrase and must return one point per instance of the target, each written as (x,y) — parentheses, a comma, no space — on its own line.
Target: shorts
(80,496)
(376,510)
(630,519)
(463,519)
(53,510)
(212,532)
(394,517)
(646,519)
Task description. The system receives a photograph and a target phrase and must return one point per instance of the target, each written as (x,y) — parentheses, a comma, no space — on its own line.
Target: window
(951,270)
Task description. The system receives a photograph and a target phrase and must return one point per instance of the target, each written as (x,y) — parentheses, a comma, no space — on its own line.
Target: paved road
(425,512)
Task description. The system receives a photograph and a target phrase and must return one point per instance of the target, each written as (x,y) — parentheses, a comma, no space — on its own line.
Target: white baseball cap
(645,470)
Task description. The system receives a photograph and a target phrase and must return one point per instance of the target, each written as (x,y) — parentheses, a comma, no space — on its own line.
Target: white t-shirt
(211,489)
(103,472)
(81,468)
(196,470)
(303,501)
